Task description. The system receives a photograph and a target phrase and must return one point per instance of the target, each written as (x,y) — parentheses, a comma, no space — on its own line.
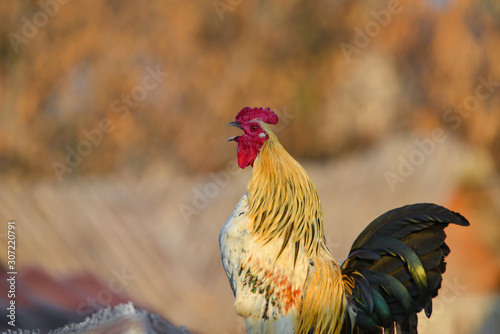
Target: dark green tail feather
(396,265)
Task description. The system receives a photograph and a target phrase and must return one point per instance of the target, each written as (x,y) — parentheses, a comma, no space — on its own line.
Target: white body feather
(250,267)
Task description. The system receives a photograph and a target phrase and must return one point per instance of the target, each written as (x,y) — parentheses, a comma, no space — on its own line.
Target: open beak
(236,124)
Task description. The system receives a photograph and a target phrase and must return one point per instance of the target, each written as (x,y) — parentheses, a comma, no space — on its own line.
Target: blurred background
(113,162)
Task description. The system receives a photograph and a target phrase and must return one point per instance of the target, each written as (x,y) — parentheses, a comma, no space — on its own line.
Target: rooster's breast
(233,240)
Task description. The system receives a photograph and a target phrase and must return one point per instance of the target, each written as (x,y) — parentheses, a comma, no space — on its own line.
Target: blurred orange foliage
(79,65)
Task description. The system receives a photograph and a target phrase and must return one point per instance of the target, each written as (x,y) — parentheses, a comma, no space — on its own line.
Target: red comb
(265,115)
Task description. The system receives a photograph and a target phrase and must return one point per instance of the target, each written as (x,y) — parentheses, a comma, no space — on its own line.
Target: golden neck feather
(284,205)
(283,200)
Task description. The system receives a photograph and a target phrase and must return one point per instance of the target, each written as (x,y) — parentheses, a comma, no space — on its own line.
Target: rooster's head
(253,122)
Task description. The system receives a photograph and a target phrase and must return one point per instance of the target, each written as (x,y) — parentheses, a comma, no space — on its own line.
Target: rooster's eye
(254,128)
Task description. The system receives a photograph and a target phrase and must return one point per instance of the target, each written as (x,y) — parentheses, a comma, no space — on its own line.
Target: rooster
(284,278)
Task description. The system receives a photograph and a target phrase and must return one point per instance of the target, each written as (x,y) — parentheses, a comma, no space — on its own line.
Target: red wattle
(246,153)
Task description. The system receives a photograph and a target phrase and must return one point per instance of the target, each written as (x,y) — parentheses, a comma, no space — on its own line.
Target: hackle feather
(285,207)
